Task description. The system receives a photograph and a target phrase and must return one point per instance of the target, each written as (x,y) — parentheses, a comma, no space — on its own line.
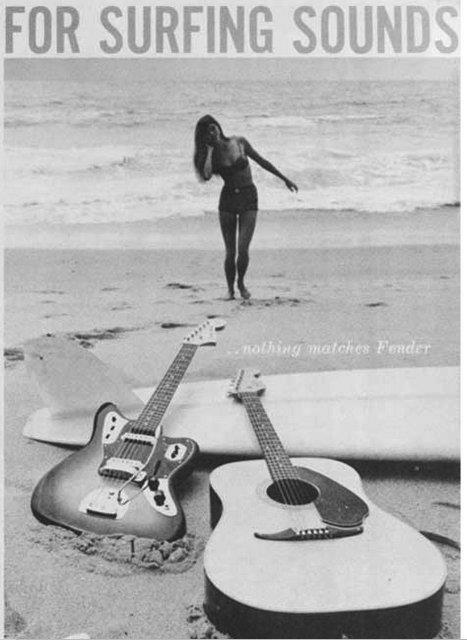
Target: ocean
(105,151)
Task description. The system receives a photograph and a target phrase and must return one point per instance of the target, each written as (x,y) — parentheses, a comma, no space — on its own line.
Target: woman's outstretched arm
(265,164)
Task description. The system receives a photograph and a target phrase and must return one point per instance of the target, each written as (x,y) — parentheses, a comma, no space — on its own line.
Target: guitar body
(385,582)
(76,496)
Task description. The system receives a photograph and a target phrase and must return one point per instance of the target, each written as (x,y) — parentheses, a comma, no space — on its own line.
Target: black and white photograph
(231,320)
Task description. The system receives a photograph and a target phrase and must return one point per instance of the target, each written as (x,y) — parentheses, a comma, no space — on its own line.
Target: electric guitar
(298,550)
(121,482)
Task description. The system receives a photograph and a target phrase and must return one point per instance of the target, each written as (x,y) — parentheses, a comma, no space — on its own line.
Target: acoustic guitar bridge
(320,533)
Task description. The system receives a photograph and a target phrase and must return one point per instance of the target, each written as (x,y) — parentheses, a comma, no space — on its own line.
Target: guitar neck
(278,461)
(154,411)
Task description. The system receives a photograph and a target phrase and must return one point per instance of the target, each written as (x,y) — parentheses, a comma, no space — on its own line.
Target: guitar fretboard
(279,464)
(154,411)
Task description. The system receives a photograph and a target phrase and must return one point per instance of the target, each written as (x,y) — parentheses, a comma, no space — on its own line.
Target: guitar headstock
(246,381)
(205,333)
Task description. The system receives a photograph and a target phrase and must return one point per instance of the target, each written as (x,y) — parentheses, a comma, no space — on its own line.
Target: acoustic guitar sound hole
(292,492)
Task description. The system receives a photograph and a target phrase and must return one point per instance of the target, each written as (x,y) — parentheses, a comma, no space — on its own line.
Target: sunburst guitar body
(76,496)
(123,480)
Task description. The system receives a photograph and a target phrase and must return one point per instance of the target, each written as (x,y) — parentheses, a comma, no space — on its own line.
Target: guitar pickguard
(166,506)
(112,427)
(135,463)
(128,454)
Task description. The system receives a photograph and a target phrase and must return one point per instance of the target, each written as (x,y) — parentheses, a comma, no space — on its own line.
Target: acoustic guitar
(299,551)
(122,481)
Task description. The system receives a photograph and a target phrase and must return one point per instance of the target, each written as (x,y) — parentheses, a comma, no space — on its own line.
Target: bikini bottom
(239,199)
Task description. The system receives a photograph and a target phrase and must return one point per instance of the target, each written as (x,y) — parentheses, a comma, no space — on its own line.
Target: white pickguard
(112,427)
(114,502)
(104,501)
(169,507)
(175,452)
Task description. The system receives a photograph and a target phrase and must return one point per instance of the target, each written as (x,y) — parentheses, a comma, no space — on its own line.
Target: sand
(132,308)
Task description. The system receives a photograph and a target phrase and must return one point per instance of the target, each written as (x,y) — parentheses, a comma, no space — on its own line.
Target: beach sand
(132,308)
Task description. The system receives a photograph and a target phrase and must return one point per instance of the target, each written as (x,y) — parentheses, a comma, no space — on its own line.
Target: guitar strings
(255,415)
(292,488)
(167,387)
(176,370)
(291,494)
(179,367)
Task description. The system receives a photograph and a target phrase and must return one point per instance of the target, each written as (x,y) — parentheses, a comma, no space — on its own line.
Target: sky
(215,69)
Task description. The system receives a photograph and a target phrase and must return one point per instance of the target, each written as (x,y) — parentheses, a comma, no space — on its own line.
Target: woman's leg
(246,227)
(228,222)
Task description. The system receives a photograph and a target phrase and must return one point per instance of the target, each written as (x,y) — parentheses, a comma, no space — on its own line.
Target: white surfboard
(392,414)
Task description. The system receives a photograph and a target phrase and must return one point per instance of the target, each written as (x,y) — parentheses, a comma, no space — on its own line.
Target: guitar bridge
(319,533)
(106,503)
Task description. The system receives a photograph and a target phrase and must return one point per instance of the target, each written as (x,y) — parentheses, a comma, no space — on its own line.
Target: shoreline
(286,229)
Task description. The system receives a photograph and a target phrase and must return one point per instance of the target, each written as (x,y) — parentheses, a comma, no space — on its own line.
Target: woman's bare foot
(246,295)
(230,295)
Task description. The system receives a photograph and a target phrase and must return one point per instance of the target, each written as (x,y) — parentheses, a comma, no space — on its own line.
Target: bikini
(237,199)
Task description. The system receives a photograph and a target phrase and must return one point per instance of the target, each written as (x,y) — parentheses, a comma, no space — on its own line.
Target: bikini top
(228,171)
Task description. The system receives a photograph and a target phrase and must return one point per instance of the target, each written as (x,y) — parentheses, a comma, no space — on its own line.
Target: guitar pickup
(122,467)
(140,438)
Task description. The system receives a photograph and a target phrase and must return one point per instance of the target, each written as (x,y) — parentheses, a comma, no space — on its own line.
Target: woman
(215,154)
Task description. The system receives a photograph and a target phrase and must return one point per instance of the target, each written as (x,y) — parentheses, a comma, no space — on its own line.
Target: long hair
(201,131)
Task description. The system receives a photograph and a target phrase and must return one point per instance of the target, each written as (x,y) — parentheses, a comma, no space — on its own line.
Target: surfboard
(381,414)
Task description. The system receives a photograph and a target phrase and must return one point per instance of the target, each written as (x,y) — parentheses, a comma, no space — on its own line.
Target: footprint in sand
(105,334)
(273,302)
(372,305)
(121,307)
(88,338)
(57,292)
(109,289)
(181,285)
(55,315)
(86,344)
(12,355)
(174,325)
(450,505)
